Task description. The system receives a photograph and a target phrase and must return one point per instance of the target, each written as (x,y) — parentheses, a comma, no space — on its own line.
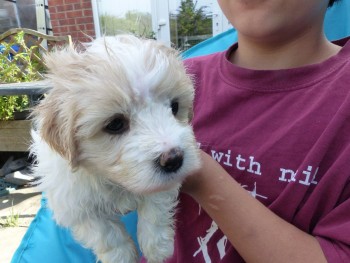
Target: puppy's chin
(156,189)
(153,184)
(149,188)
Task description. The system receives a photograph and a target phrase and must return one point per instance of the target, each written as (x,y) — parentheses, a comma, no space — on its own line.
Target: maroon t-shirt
(284,135)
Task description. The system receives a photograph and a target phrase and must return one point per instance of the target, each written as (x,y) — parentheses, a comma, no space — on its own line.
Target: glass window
(190,22)
(122,16)
(19,13)
(180,23)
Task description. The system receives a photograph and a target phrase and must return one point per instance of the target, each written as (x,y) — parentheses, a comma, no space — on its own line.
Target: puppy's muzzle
(171,161)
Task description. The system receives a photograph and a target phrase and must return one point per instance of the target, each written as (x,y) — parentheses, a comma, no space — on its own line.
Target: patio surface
(25,202)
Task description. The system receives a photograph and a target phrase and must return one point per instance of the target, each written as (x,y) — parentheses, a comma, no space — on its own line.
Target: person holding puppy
(272,116)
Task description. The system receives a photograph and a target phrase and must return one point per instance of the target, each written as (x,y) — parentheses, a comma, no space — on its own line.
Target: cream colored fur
(90,174)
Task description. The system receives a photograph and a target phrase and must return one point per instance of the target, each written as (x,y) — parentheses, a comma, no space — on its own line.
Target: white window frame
(161,25)
(96,18)
(220,22)
(160,19)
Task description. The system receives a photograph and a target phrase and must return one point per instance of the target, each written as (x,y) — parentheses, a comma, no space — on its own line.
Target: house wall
(72,17)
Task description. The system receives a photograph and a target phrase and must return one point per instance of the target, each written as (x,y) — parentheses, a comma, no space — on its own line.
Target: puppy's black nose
(171,161)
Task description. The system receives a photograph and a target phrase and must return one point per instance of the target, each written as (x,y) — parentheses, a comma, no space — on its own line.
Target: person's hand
(209,168)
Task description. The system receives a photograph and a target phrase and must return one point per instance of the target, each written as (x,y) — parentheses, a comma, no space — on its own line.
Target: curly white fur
(100,134)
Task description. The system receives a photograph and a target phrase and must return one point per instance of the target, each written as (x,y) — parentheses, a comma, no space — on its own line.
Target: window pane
(120,16)
(190,22)
(19,14)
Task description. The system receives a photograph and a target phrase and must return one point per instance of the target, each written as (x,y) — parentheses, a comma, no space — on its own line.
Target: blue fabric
(337,20)
(10,55)
(217,43)
(47,242)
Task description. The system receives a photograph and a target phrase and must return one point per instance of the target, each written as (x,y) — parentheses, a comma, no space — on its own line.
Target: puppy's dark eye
(174,107)
(118,125)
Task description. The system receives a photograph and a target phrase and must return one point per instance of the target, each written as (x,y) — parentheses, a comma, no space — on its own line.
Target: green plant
(11,104)
(17,66)
(11,220)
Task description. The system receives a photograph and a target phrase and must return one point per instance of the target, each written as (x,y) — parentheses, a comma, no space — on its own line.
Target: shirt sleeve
(333,231)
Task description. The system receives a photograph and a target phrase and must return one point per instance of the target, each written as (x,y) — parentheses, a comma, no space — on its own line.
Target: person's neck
(291,53)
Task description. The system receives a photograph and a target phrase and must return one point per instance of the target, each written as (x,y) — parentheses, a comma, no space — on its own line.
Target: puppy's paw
(160,255)
(108,239)
(157,243)
(122,254)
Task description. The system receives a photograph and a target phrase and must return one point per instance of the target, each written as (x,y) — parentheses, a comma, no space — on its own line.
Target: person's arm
(256,232)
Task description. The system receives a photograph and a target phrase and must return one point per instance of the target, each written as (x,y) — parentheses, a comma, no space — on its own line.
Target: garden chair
(21,75)
(28,45)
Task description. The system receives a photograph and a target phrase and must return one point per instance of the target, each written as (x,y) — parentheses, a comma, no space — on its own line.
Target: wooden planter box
(15,136)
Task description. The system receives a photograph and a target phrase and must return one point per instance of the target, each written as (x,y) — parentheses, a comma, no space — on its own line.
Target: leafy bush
(17,66)
(11,104)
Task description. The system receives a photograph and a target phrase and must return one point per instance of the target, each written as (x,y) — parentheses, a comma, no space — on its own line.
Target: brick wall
(72,17)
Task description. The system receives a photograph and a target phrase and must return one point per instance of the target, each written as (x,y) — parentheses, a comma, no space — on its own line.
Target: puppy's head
(121,110)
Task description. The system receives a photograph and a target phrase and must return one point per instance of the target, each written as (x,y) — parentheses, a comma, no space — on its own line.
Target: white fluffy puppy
(113,136)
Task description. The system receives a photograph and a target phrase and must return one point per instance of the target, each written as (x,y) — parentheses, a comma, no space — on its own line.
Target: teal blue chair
(47,242)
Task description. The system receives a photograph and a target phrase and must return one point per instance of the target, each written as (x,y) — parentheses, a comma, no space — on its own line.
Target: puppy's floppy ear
(57,128)
(55,116)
